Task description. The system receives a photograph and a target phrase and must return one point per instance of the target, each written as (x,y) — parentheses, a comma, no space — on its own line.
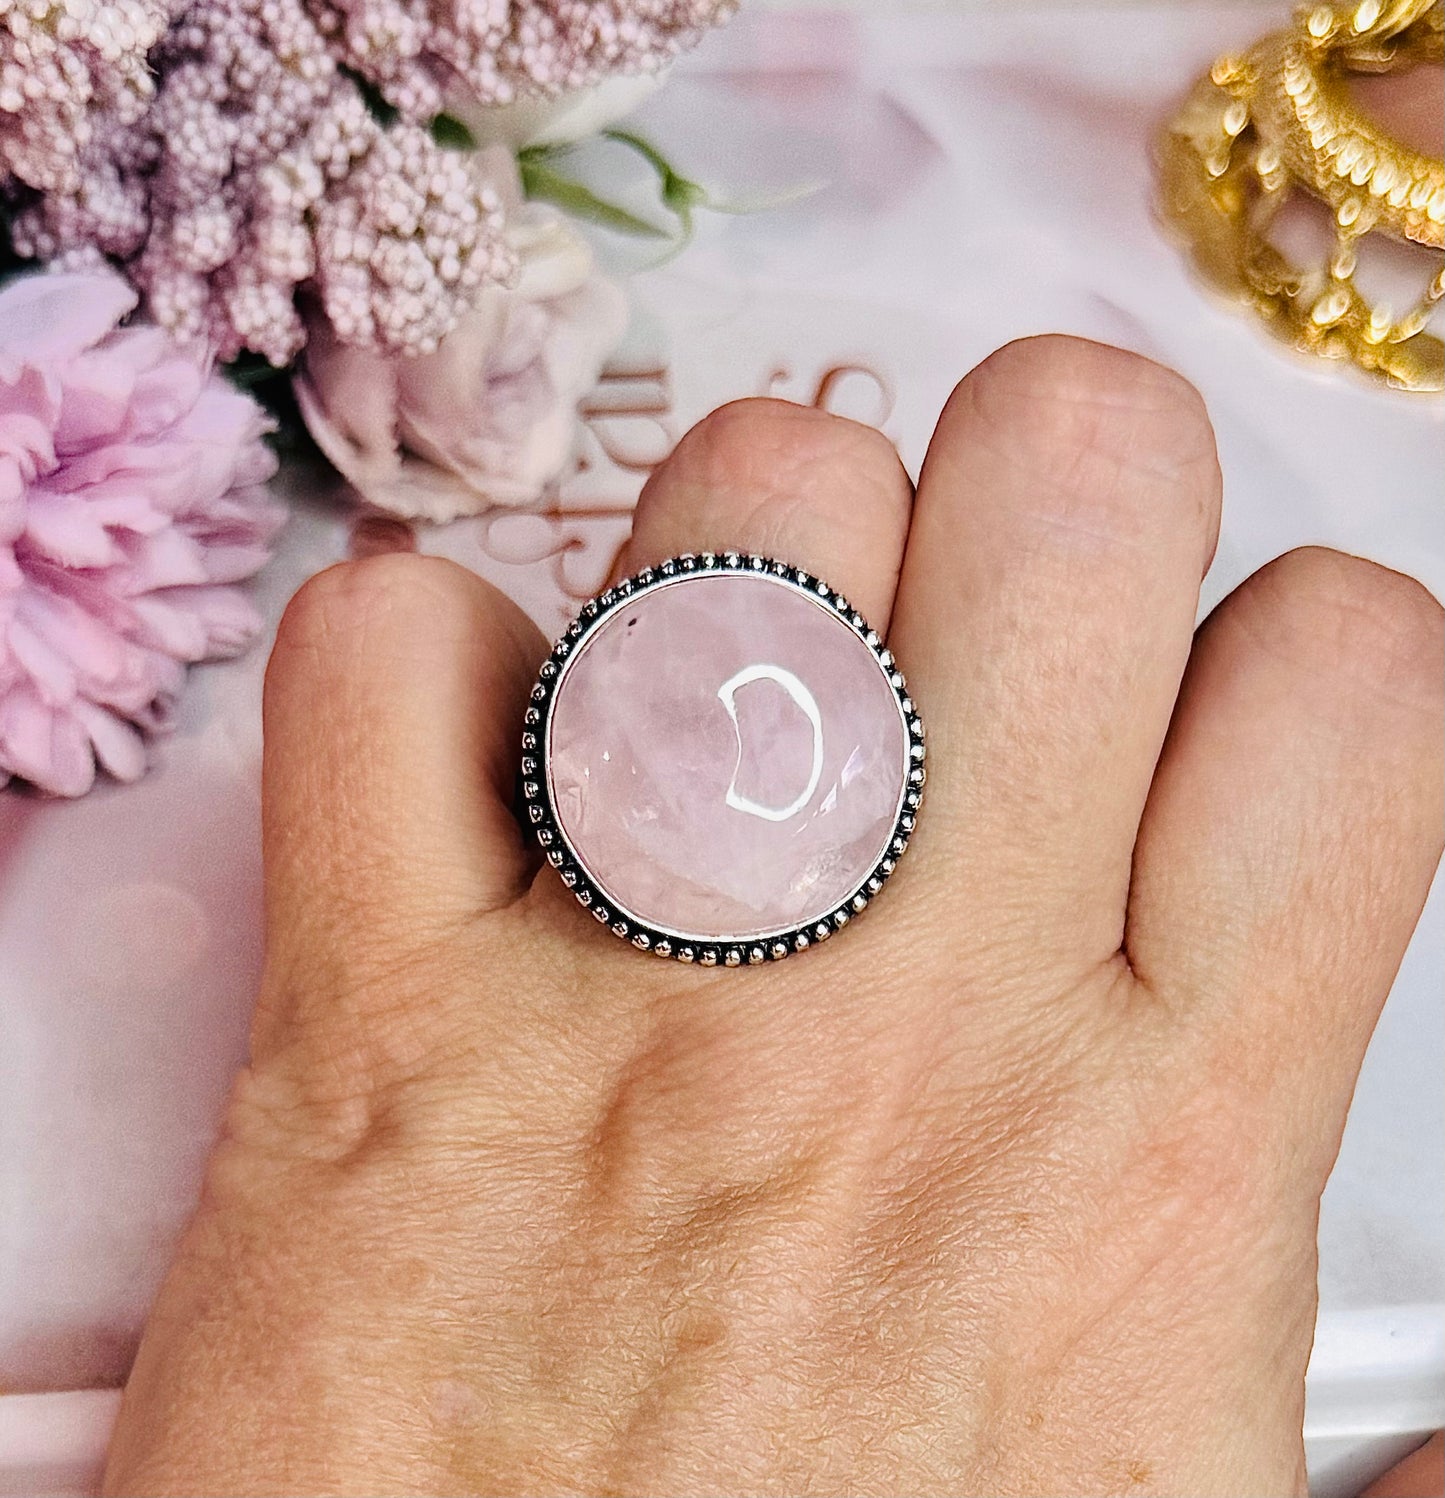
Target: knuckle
(1097,429)
(1350,616)
(736,432)
(753,417)
(1059,370)
(753,435)
(353,594)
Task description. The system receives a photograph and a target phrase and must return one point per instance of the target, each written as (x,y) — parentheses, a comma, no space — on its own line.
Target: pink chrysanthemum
(132,499)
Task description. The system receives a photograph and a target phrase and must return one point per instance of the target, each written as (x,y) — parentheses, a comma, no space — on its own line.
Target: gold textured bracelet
(1279,120)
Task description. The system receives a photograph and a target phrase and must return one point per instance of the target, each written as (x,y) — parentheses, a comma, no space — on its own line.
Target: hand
(1012,1188)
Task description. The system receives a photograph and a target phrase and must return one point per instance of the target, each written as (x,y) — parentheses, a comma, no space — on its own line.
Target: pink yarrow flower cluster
(132,501)
(498,51)
(259,170)
(61,62)
(258,182)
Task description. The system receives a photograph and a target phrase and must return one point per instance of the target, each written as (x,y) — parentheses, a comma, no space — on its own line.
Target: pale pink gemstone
(726,757)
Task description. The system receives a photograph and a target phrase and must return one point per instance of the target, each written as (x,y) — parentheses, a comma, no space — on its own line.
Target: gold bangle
(1278,120)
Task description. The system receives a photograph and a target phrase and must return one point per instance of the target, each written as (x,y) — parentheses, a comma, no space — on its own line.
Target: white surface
(985,176)
(1374,1392)
(54,1444)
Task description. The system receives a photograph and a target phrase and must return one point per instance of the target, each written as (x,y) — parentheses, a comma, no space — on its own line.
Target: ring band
(721,760)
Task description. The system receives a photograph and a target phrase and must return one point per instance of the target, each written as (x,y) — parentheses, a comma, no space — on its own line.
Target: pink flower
(131,500)
(232,162)
(61,64)
(490,418)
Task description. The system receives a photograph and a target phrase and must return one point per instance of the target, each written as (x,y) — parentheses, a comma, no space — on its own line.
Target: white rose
(490,418)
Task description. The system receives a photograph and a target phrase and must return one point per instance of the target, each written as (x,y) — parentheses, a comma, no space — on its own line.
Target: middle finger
(1067,509)
(823,493)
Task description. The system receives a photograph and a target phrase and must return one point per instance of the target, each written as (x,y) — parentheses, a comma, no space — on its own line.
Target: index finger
(393,708)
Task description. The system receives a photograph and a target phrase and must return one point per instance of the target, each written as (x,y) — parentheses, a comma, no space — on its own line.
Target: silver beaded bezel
(557,849)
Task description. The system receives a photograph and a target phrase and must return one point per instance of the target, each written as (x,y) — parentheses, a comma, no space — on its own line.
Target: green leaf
(677,191)
(644,148)
(545,152)
(541,180)
(675,187)
(451,134)
(680,194)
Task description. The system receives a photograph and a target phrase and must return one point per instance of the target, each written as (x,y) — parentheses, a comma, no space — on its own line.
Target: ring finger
(822,493)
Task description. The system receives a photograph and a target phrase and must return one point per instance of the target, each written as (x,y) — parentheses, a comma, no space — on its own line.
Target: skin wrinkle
(1064,1278)
(676,1242)
(391,1035)
(772,1154)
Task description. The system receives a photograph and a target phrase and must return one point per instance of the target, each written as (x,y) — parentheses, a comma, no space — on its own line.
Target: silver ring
(633,847)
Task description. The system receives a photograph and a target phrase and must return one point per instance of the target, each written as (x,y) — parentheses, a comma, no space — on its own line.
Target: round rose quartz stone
(726,757)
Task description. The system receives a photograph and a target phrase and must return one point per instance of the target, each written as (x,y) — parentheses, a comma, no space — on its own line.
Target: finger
(823,493)
(393,710)
(1067,509)
(1295,821)
(1420,1475)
